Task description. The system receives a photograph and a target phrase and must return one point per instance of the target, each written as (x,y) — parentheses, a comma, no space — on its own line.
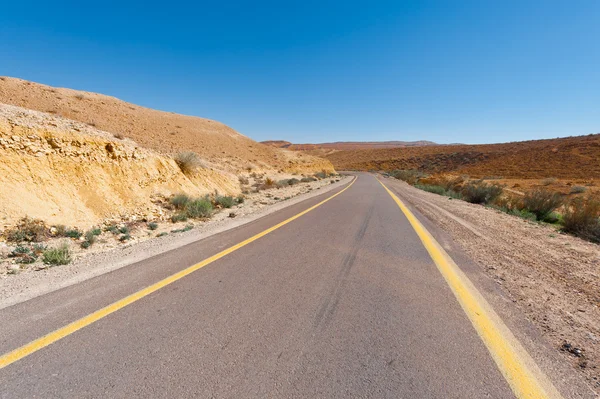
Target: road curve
(343,301)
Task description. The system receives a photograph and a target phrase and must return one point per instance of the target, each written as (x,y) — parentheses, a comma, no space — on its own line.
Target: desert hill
(164,132)
(571,157)
(346,145)
(76,158)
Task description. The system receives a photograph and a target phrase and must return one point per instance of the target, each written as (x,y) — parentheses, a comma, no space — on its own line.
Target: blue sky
(313,71)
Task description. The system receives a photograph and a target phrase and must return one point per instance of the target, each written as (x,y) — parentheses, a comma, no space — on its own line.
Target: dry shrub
(188,161)
(409,176)
(541,202)
(578,190)
(582,218)
(179,201)
(30,230)
(548,181)
(479,192)
(268,183)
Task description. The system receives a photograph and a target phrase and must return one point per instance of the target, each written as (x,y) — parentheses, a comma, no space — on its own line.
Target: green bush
(522,213)
(321,175)
(199,208)
(73,233)
(112,228)
(224,201)
(541,202)
(23,255)
(124,230)
(90,238)
(431,188)
(582,218)
(153,226)
(240,199)
(480,192)
(179,201)
(57,256)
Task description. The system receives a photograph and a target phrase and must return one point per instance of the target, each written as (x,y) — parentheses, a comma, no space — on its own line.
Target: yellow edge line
(519,369)
(56,335)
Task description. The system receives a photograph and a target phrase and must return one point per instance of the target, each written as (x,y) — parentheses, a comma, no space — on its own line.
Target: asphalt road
(342,302)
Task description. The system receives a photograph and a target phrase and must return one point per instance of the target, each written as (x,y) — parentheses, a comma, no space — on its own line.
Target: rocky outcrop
(66,172)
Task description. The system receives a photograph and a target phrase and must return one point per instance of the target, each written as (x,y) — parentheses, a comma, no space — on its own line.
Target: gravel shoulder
(112,255)
(552,278)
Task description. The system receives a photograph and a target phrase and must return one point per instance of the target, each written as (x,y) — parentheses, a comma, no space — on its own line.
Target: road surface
(344,301)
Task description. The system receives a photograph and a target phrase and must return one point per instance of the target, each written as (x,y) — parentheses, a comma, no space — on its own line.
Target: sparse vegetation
(240,199)
(199,208)
(307,179)
(73,233)
(179,201)
(243,180)
(188,161)
(27,230)
(582,218)
(548,181)
(60,255)
(267,184)
(125,237)
(179,217)
(187,227)
(152,225)
(90,237)
(23,255)
(578,189)
(431,188)
(409,176)
(479,192)
(541,203)
(224,201)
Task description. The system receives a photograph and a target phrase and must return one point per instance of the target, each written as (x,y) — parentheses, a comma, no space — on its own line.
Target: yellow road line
(56,335)
(519,369)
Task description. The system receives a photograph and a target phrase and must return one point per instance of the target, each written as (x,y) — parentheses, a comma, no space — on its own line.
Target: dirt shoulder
(553,278)
(110,253)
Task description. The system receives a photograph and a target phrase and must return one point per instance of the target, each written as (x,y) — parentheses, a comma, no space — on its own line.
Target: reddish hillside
(347,145)
(571,157)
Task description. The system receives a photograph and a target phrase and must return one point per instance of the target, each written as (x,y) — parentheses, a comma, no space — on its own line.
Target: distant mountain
(348,145)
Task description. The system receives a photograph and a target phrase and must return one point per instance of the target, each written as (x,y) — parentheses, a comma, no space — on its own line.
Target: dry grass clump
(582,218)
(188,161)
